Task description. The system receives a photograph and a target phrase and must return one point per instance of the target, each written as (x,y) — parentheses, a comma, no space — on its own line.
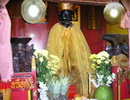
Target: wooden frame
(76,17)
(94,18)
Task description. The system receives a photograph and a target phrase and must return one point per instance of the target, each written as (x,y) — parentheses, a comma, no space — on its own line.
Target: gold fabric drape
(71,47)
(6,94)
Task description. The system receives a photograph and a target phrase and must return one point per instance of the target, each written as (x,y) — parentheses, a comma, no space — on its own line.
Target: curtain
(6,64)
(125,23)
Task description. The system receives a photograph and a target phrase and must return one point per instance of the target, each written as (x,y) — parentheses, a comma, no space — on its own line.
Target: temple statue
(68,43)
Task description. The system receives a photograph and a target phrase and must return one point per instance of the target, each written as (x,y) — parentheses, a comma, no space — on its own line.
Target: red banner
(24,82)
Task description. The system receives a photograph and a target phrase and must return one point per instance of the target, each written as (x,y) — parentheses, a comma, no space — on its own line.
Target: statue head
(65,12)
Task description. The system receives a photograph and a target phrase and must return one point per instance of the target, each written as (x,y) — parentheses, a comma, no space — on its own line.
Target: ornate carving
(22,54)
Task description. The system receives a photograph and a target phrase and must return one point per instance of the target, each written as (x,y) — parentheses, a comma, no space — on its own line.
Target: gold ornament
(120,60)
(33,11)
(113,12)
(65,6)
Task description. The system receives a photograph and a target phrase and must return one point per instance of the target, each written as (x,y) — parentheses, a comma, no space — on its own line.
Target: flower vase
(103,92)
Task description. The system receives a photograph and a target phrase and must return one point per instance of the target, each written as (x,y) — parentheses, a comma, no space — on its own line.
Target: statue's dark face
(65,17)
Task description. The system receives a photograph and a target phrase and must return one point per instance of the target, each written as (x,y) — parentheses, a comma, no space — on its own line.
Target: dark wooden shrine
(22,54)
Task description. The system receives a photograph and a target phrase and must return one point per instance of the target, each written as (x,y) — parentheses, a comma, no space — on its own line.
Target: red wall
(20,28)
(93,37)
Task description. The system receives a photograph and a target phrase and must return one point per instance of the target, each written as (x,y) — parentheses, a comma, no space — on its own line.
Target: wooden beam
(85,2)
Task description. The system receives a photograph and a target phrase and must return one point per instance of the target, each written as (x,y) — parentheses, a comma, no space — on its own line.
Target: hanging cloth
(6,64)
(71,47)
(125,23)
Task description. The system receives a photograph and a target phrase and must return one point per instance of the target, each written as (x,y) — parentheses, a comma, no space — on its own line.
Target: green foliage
(43,73)
(46,66)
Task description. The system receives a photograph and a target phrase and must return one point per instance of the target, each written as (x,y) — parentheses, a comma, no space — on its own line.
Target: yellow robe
(71,47)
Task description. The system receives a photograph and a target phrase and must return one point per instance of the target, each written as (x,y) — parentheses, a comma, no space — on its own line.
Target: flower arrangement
(50,83)
(46,65)
(101,64)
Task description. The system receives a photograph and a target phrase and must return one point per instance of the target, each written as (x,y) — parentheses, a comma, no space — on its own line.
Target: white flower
(43,86)
(102,58)
(41,52)
(107,62)
(113,75)
(94,82)
(44,53)
(99,79)
(93,56)
(54,59)
(41,59)
(98,82)
(36,53)
(99,61)
(109,81)
(99,76)
(103,54)
(42,91)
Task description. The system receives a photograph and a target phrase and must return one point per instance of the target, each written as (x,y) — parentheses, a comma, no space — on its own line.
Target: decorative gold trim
(76,17)
(65,6)
(118,82)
